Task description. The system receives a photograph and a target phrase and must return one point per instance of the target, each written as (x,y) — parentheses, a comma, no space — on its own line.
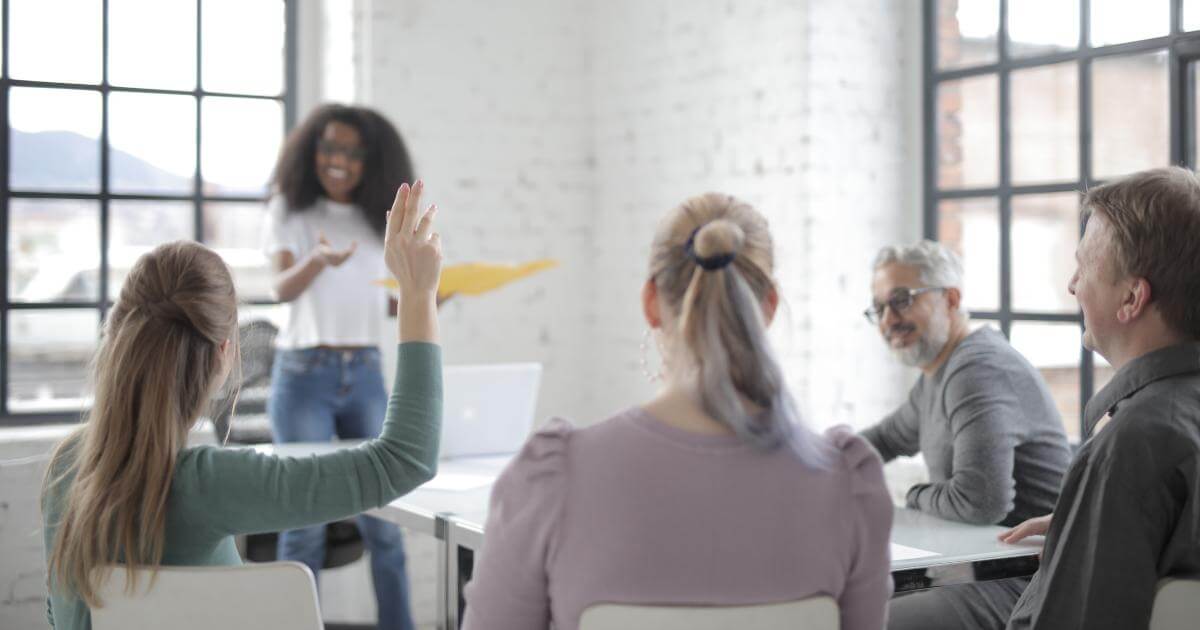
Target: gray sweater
(990,434)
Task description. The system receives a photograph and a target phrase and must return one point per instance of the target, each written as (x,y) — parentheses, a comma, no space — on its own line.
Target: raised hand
(411,249)
(327,254)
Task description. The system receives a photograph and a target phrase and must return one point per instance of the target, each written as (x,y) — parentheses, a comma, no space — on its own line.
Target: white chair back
(1177,604)
(266,596)
(814,613)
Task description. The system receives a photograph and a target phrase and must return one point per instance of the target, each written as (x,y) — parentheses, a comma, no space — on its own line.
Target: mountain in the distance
(63,160)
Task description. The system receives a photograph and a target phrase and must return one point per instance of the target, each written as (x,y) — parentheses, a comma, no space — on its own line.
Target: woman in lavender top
(711,493)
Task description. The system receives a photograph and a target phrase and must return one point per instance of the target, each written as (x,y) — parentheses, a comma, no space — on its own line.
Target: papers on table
(903,552)
(458,482)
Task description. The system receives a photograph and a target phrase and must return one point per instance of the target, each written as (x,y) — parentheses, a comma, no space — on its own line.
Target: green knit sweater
(218,492)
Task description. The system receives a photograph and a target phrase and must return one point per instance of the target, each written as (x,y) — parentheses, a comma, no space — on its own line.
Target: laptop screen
(488,408)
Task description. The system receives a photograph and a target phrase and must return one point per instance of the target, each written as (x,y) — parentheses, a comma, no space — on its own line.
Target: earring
(644,362)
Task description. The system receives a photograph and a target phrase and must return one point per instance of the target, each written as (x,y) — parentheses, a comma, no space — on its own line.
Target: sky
(1042,21)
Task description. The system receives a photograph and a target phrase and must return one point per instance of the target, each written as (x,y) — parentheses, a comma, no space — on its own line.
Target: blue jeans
(319,394)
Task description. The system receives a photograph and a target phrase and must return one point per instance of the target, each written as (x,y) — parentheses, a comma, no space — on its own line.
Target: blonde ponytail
(712,263)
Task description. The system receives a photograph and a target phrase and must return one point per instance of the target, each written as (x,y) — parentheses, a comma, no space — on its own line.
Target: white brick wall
(22,573)
(862,176)
(493,101)
(799,108)
(566,129)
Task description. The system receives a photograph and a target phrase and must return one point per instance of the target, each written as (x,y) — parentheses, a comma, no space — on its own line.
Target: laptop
(488,409)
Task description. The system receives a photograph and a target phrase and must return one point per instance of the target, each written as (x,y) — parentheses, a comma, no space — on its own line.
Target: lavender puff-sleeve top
(633,510)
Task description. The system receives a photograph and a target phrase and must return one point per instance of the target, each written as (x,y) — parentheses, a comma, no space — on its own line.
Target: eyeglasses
(898,301)
(329,149)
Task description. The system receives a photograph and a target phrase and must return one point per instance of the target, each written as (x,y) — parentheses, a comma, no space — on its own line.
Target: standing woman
(334,182)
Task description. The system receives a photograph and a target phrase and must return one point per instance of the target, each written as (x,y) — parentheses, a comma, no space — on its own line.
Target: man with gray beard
(980,414)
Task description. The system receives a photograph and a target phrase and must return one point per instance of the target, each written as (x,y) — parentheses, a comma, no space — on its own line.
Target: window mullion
(4,139)
(105,167)
(929,118)
(1005,188)
(1086,380)
(197,182)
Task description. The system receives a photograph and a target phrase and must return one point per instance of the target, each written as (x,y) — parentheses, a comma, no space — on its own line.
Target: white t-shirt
(343,306)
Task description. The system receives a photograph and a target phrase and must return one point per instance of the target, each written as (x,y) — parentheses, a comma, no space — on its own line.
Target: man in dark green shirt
(1129,511)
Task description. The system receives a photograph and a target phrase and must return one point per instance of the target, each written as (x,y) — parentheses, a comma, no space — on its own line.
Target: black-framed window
(125,124)
(1028,102)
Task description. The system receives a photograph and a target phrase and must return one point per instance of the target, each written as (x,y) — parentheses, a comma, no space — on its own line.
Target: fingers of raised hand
(425,227)
(412,208)
(395,216)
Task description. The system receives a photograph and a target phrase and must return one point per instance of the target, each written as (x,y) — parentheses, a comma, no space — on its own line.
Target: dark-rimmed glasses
(329,149)
(899,301)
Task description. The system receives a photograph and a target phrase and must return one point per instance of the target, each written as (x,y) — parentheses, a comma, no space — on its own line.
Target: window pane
(234,230)
(54,250)
(152,143)
(243,46)
(971,227)
(967,32)
(55,139)
(136,227)
(1130,119)
(48,354)
(968,133)
(1194,71)
(1045,124)
(241,138)
(1039,27)
(152,43)
(1118,21)
(1054,349)
(1045,230)
(1191,15)
(55,40)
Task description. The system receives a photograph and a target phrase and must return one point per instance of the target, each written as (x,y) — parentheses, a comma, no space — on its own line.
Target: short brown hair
(1155,221)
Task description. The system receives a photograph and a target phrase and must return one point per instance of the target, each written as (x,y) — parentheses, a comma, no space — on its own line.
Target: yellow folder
(477,277)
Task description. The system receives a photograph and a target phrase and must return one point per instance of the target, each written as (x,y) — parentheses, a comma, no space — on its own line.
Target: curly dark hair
(385,166)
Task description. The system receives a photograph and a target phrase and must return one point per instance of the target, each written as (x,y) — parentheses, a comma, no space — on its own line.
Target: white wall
(567,128)
(22,573)
(493,100)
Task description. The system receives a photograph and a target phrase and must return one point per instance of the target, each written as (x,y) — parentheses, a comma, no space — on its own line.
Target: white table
(456,517)
(428,508)
(960,553)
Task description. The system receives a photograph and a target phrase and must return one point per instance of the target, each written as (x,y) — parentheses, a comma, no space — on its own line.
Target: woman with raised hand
(711,493)
(335,176)
(126,489)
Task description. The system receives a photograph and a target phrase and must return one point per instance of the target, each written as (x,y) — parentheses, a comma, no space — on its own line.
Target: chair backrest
(1177,604)
(814,613)
(251,596)
(257,342)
